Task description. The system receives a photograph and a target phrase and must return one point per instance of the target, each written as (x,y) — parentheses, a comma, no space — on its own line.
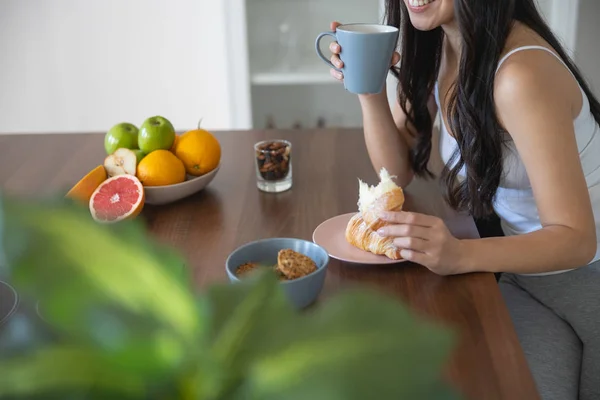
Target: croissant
(361,230)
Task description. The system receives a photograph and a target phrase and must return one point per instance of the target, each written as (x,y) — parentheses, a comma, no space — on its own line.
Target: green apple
(121,136)
(139,155)
(156,133)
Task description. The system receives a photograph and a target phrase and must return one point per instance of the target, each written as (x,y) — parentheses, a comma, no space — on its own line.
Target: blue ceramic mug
(367,51)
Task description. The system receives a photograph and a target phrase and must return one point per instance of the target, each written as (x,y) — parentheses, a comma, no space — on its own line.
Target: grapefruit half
(83,190)
(117,198)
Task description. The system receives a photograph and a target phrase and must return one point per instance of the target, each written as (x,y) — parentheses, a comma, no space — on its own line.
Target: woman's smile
(419,6)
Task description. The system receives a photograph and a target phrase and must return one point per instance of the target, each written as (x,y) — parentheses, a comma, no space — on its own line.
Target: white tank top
(514,202)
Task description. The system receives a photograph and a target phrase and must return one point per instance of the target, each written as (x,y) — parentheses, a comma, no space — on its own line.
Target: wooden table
(488,362)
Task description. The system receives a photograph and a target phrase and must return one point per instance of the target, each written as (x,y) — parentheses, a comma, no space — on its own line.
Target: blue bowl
(301,292)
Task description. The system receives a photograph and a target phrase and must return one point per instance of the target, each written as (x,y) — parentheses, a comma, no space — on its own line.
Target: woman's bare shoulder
(534,70)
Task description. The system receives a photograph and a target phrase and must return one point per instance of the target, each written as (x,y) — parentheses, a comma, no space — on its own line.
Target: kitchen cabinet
(280,82)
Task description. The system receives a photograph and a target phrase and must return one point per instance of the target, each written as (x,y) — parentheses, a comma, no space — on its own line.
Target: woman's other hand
(425,240)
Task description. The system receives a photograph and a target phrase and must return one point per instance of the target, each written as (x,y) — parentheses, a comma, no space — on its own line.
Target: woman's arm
(387,138)
(536,100)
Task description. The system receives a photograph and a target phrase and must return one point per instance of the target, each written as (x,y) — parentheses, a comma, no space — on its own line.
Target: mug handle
(318,49)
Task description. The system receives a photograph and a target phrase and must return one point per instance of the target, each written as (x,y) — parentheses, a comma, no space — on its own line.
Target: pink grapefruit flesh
(117,198)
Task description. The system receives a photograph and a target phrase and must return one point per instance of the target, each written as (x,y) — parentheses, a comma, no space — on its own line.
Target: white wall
(587,54)
(83,65)
(562,17)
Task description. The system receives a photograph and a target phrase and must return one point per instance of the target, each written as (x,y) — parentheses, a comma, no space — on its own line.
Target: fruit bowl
(157,195)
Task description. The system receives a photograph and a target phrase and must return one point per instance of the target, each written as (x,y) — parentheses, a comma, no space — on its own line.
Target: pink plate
(331,236)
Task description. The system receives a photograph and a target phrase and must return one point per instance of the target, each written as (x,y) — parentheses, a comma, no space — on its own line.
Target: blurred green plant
(121,320)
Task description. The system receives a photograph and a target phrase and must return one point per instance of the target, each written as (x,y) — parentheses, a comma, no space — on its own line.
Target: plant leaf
(64,369)
(239,315)
(344,350)
(69,245)
(168,258)
(99,288)
(257,297)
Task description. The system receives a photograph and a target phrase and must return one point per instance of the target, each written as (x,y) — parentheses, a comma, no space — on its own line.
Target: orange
(118,198)
(160,168)
(82,191)
(199,150)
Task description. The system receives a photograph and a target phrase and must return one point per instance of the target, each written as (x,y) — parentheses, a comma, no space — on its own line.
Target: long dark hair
(484,27)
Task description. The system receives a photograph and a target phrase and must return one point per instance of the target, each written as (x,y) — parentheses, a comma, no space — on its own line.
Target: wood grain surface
(488,362)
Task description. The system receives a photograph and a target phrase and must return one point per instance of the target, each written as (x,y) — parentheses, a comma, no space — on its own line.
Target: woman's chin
(427,17)
(423,25)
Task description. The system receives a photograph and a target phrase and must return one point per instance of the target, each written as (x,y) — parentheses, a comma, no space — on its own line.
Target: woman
(520,137)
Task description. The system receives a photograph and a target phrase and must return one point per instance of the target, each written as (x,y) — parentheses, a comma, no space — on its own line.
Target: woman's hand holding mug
(335,49)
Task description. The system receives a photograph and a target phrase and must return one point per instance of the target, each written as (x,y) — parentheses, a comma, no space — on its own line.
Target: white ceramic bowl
(167,194)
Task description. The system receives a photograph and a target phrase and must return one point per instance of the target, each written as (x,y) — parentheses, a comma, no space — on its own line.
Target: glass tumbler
(273,165)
